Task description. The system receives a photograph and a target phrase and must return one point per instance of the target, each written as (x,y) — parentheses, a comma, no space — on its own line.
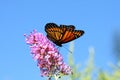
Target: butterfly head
(59,44)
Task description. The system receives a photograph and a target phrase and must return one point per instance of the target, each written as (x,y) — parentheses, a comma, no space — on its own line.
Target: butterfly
(62,34)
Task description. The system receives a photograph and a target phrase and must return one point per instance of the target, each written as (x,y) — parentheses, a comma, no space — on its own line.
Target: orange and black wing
(62,34)
(54,32)
(71,27)
(70,35)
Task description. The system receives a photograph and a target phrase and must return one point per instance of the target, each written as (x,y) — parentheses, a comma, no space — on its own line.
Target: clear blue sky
(98,18)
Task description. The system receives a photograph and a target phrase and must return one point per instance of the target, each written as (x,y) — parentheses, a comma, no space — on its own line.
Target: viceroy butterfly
(62,34)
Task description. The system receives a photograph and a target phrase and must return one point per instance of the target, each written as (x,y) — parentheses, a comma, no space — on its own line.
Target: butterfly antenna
(71,47)
(68,50)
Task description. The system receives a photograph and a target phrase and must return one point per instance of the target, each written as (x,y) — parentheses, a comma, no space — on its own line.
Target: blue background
(98,18)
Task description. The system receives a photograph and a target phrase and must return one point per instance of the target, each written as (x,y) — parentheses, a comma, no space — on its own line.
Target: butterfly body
(62,34)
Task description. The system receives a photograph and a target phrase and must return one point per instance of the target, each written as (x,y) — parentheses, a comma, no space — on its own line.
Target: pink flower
(49,60)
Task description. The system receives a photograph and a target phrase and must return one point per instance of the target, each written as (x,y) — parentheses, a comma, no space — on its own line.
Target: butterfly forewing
(54,33)
(78,33)
(67,37)
(71,35)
